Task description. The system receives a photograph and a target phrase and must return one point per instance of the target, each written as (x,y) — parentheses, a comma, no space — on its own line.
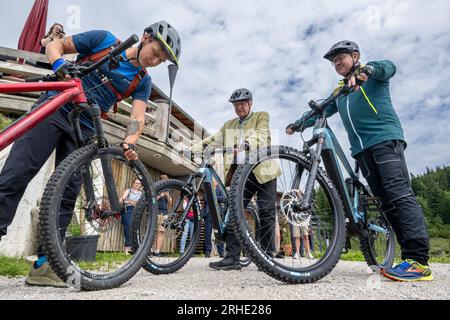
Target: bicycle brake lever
(114,62)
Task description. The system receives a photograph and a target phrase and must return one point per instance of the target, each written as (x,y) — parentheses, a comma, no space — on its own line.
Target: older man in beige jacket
(246,133)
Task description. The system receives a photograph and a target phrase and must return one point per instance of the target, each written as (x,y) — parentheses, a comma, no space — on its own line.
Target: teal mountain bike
(323,212)
(179,230)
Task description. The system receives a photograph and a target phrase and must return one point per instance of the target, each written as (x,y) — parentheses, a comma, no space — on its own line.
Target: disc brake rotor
(290,201)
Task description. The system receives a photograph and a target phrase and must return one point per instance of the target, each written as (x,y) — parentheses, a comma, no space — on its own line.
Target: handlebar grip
(125,45)
(310,116)
(42,78)
(34,79)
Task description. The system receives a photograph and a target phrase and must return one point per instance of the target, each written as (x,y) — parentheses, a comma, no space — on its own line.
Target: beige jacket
(255,131)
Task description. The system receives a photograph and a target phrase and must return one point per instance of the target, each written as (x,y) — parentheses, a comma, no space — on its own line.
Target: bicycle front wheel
(312,240)
(83,239)
(176,236)
(252,218)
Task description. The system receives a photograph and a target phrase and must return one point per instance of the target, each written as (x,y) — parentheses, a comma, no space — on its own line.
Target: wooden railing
(11,71)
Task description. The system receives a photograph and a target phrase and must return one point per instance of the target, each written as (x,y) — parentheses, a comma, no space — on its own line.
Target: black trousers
(384,168)
(265,199)
(208,237)
(28,155)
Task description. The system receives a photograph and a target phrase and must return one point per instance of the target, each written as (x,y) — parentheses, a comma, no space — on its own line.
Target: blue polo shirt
(91,42)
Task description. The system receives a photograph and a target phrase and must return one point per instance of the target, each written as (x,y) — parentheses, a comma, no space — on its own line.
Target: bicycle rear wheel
(252,218)
(173,233)
(81,236)
(321,229)
(378,244)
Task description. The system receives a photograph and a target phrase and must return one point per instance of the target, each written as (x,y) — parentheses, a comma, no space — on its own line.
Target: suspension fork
(105,159)
(297,178)
(88,186)
(315,157)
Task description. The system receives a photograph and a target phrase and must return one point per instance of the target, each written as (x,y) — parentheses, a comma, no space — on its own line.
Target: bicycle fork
(315,159)
(105,157)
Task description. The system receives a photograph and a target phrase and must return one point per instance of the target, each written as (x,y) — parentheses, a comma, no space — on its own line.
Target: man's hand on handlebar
(61,68)
(65,70)
(360,76)
(129,151)
(293,128)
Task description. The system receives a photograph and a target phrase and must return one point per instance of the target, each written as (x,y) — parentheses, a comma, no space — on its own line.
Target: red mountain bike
(84,252)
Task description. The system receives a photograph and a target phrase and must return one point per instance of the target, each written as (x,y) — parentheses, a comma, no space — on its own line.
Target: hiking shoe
(280,255)
(408,270)
(44,277)
(226,264)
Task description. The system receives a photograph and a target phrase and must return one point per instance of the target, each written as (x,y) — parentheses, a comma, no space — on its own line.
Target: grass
(105,261)
(353,255)
(439,252)
(4,121)
(14,267)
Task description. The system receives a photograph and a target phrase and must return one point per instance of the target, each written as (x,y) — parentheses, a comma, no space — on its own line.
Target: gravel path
(349,280)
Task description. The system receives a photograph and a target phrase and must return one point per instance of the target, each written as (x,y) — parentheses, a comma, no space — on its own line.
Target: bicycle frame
(72,91)
(203,178)
(329,149)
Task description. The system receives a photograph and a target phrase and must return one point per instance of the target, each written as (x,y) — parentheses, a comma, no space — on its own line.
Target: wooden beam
(22,69)
(15,104)
(31,56)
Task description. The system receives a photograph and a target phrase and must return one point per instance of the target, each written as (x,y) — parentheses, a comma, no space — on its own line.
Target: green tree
(444,207)
(434,197)
(418,187)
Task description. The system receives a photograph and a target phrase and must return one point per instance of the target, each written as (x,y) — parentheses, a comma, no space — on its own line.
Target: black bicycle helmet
(342,47)
(168,37)
(241,95)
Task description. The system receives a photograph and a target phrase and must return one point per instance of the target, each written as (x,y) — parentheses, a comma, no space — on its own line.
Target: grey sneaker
(44,277)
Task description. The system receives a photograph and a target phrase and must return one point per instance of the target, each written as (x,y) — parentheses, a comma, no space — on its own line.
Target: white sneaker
(310,256)
(295,256)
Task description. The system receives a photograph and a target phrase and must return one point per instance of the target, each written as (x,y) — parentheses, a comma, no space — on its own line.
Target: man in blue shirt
(159,43)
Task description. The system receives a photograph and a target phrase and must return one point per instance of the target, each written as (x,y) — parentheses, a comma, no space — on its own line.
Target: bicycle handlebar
(111,56)
(318,108)
(114,53)
(47,78)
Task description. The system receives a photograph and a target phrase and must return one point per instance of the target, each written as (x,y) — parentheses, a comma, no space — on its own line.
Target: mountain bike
(81,196)
(181,233)
(322,210)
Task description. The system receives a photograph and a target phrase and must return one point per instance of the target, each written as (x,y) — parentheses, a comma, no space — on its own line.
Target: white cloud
(275,48)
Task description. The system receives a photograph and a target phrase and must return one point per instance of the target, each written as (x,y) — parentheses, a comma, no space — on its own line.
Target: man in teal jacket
(378,143)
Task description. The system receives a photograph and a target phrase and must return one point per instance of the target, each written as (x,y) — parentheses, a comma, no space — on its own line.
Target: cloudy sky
(275,48)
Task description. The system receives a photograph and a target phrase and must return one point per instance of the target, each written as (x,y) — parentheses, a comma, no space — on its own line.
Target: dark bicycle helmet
(168,37)
(241,95)
(342,47)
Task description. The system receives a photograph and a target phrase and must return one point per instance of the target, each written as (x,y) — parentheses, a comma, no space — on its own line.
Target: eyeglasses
(339,59)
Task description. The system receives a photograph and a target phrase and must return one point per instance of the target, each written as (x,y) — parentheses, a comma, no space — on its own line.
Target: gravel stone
(196,281)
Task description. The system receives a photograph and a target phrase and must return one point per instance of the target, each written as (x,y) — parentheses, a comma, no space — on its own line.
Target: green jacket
(256,132)
(368,114)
